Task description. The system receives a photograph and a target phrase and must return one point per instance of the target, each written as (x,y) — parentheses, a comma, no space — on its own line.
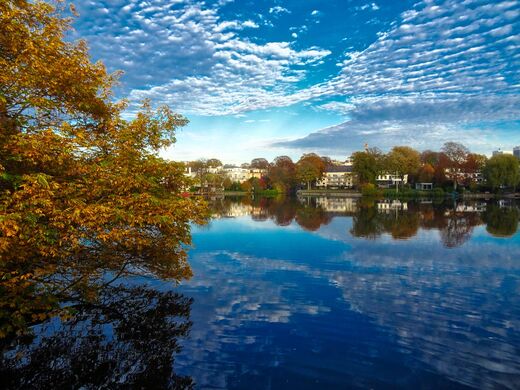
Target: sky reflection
(287,306)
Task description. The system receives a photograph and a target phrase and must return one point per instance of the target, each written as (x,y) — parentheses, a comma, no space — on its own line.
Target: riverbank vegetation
(402,172)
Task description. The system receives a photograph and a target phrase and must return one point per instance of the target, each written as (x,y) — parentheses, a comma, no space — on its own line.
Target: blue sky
(266,78)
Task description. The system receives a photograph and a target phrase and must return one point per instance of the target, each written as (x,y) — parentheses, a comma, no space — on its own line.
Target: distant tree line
(281,175)
(453,167)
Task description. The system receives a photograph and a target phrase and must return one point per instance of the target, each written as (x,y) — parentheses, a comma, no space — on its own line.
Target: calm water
(312,293)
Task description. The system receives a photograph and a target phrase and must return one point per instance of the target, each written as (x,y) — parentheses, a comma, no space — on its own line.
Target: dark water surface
(311,293)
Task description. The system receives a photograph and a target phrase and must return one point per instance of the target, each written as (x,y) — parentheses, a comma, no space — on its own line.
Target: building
(389,181)
(240,175)
(497,152)
(337,205)
(336,177)
(217,169)
(257,172)
(424,186)
(237,174)
(388,206)
(516,152)
(465,177)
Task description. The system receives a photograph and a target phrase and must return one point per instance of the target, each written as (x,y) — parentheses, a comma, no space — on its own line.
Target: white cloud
(448,63)
(250,24)
(278,10)
(371,6)
(442,59)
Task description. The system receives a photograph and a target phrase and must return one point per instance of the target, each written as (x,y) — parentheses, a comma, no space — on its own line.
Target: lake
(303,294)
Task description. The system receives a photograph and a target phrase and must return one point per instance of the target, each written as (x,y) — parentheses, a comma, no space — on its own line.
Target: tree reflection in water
(501,221)
(126,338)
(373,218)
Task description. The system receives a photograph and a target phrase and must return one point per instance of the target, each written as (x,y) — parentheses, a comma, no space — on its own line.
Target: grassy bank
(267,193)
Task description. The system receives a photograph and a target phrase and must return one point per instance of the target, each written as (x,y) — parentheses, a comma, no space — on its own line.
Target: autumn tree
(430,157)
(200,169)
(309,168)
(435,160)
(259,163)
(473,166)
(426,173)
(456,158)
(82,190)
(282,172)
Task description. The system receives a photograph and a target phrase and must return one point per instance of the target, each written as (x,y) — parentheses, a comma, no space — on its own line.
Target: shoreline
(357,194)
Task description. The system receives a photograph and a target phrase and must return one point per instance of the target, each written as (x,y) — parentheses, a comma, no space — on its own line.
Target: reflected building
(337,205)
(477,207)
(238,210)
(387,206)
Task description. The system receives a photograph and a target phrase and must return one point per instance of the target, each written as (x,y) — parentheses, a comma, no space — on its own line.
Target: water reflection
(366,295)
(127,338)
(372,218)
(501,221)
(300,293)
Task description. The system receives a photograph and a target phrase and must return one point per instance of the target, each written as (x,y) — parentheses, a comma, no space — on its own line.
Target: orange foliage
(82,191)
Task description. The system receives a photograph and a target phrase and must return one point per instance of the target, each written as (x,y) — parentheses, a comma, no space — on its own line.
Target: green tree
(367,165)
(501,221)
(214,163)
(403,160)
(502,170)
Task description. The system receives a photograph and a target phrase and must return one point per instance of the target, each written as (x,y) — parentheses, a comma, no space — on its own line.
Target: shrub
(370,189)
(438,192)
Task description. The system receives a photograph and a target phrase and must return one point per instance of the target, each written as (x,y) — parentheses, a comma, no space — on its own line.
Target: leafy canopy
(82,191)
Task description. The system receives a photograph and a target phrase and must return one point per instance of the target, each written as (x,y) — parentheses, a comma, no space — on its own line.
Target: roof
(339,169)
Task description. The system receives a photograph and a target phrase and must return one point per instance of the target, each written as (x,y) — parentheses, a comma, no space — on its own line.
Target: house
(240,175)
(464,177)
(336,177)
(389,181)
(237,174)
(391,205)
(337,205)
(257,172)
(424,186)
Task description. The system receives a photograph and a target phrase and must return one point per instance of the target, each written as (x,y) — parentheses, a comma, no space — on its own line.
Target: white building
(391,205)
(337,205)
(337,177)
(237,174)
(389,181)
(240,175)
